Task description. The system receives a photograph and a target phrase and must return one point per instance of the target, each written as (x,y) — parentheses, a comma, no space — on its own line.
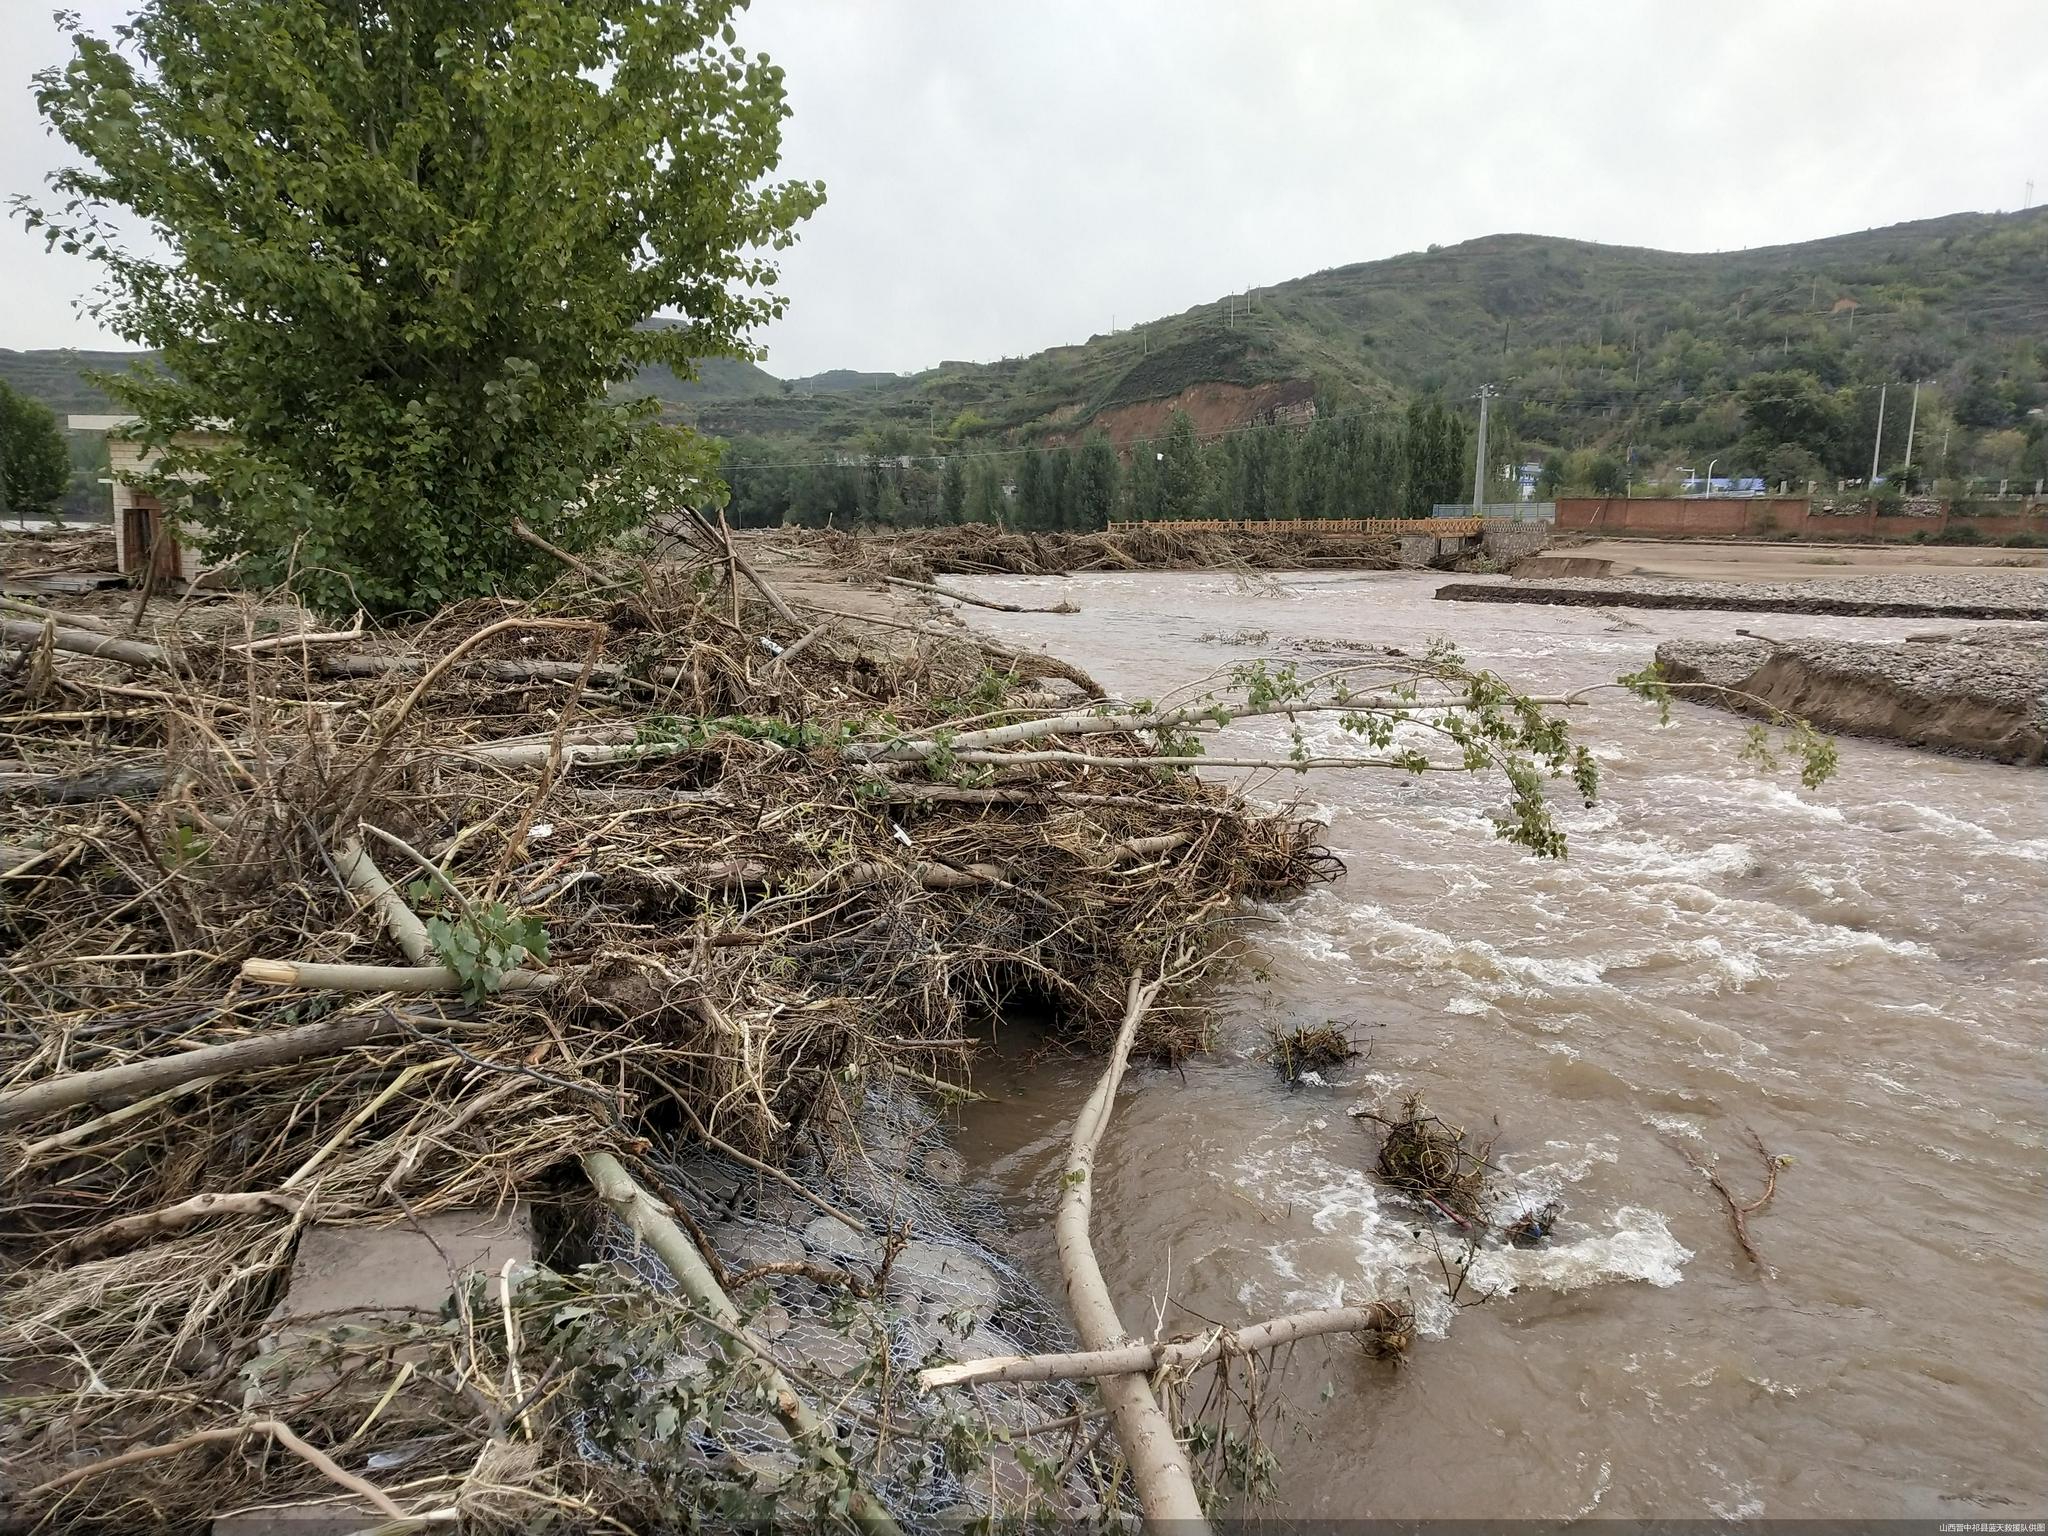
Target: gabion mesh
(950,1295)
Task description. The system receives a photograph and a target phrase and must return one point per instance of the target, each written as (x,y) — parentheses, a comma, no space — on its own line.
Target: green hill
(718,378)
(57,377)
(1638,354)
(1589,345)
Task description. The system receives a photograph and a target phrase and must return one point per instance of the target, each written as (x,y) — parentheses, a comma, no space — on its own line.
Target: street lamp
(1707,488)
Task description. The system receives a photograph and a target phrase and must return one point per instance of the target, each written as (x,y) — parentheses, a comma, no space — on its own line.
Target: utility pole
(1912,420)
(1877,445)
(1479,461)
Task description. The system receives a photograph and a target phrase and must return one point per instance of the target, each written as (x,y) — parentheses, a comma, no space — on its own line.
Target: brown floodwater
(1855,972)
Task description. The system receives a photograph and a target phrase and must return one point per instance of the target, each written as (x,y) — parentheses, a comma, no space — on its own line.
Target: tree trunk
(1144,1359)
(1159,1467)
(139,1077)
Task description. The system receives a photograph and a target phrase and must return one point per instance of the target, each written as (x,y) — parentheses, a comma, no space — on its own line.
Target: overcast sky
(1006,177)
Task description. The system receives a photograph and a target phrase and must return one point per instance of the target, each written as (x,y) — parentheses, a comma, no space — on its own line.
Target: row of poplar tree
(1357,464)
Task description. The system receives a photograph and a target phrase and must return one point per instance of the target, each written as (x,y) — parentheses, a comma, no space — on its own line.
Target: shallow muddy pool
(1855,972)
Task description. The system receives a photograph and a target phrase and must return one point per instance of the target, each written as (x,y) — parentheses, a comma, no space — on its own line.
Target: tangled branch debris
(984,549)
(311,926)
(1309,1049)
(749,908)
(1434,1164)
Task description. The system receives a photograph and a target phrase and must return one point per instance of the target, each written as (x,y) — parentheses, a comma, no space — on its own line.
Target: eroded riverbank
(2013,595)
(1853,972)
(1978,693)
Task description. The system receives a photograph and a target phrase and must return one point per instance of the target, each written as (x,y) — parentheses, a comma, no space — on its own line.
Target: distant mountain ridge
(57,377)
(1588,344)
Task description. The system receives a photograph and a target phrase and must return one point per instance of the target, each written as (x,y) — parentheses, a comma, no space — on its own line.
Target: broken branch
(143,1077)
(1143,1359)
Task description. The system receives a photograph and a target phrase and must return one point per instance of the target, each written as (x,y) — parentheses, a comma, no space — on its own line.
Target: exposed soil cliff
(1977,695)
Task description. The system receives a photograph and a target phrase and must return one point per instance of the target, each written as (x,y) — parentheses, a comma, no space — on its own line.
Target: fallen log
(1142,1359)
(978,602)
(118,783)
(888,792)
(474,666)
(302,638)
(173,1218)
(1040,664)
(334,976)
(724,539)
(135,1078)
(1159,1466)
(1203,715)
(83,642)
(655,1227)
(363,877)
(933,876)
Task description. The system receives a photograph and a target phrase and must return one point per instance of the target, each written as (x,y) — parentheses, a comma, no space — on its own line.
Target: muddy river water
(1855,972)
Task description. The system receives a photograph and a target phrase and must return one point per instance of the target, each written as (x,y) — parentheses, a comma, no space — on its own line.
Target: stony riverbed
(1972,593)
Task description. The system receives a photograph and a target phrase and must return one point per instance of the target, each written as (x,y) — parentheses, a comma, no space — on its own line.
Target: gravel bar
(1974,593)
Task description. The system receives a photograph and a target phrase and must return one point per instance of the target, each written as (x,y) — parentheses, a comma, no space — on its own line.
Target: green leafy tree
(1788,412)
(1059,469)
(1182,479)
(1034,492)
(888,509)
(985,499)
(953,493)
(1790,465)
(35,465)
(1381,473)
(1436,448)
(2034,460)
(1142,484)
(1315,471)
(1092,487)
(413,248)
(825,496)
(1222,479)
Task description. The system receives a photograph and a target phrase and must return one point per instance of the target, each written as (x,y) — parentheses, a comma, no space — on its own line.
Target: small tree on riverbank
(414,247)
(35,467)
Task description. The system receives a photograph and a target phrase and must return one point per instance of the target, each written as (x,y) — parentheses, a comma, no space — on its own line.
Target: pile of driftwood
(315,923)
(984,549)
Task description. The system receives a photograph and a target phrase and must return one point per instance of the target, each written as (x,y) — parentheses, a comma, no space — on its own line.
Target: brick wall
(1797,517)
(1669,516)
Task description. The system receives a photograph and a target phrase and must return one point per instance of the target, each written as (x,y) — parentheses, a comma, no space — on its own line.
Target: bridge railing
(1434,527)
